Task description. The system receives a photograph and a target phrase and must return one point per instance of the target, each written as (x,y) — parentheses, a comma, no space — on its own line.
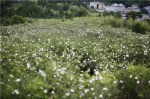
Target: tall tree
(134,15)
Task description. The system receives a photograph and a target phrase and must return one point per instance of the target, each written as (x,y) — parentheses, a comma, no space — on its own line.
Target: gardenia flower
(11,76)
(92,88)
(71,78)
(72,90)
(67,94)
(15,91)
(29,95)
(28,65)
(17,80)
(42,73)
(96,72)
(121,81)
(101,96)
(100,77)
(145,52)
(45,91)
(136,77)
(138,82)
(114,82)
(86,90)
(105,89)
(52,92)
(130,76)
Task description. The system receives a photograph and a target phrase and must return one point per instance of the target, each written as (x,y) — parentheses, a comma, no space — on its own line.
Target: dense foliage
(43,9)
(55,8)
(73,59)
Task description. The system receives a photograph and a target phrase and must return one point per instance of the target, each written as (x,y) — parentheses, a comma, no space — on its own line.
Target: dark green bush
(82,13)
(138,28)
(5,21)
(15,19)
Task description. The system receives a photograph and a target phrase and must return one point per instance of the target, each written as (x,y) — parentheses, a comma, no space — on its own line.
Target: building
(135,8)
(148,9)
(127,10)
(115,8)
(98,6)
(118,7)
(110,9)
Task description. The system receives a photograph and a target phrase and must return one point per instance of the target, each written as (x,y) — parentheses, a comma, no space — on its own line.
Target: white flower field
(73,59)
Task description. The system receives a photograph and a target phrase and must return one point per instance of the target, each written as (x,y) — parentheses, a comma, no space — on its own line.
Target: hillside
(56,8)
(76,58)
(43,9)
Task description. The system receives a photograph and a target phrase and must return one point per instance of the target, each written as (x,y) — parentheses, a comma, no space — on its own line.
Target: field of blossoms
(73,59)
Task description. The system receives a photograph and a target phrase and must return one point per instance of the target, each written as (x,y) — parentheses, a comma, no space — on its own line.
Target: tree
(144,11)
(118,15)
(128,3)
(134,15)
(65,7)
(105,13)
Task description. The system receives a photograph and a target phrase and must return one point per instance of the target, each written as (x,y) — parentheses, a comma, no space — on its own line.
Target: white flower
(45,91)
(114,82)
(96,72)
(136,77)
(105,89)
(41,87)
(86,90)
(71,78)
(90,81)
(52,92)
(92,88)
(127,55)
(138,82)
(130,76)
(11,76)
(149,81)
(101,96)
(121,81)
(29,95)
(72,90)
(42,73)
(145,52)
(67,94)
(16,91)
(100,77)
(28,65)
(17,80)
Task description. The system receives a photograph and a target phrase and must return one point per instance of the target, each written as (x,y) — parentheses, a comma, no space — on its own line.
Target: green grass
(73,59)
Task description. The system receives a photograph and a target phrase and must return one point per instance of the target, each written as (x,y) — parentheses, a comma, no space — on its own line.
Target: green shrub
(138,28)
(134,82)
(82,12)
(15,19)
(146,25)
(5,21)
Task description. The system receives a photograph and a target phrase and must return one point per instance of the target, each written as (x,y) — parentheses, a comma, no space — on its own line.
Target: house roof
(135,6)
(100,2)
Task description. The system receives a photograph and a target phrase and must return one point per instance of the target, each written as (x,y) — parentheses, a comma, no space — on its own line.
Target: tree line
(42,8)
